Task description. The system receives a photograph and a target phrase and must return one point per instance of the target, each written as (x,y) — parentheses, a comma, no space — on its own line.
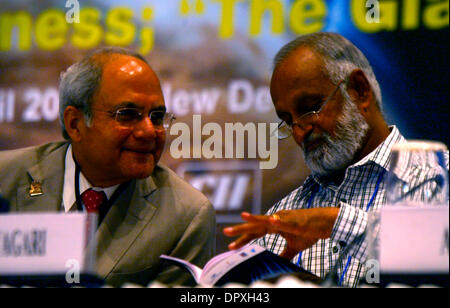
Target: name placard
(44,244)
(414,240)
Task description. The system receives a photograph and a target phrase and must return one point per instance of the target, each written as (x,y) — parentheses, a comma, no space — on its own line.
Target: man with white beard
(326,94)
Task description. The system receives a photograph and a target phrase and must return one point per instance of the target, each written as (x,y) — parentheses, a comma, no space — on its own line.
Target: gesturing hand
(300,228)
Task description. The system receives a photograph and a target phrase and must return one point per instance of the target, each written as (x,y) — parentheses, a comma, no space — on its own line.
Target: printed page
(217,259)
(217,269)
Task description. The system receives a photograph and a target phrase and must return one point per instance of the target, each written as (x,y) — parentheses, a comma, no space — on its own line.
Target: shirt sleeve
(349,230)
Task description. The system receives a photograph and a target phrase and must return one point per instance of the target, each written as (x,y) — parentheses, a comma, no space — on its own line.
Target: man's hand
(300,228)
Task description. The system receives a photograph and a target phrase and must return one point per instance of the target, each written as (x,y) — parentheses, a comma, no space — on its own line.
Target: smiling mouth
(140,151)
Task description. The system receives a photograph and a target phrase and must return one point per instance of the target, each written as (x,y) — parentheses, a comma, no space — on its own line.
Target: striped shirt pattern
(361,192)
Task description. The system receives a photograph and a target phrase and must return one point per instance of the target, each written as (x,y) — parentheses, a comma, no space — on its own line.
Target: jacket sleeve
(197,246)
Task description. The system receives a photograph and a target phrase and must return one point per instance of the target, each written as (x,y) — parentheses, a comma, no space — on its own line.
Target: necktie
(95,203)
(92,200)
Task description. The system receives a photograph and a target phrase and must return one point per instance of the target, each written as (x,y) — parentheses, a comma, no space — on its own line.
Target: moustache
(313,138)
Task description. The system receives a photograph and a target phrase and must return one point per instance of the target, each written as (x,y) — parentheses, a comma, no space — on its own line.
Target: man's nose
(145,129)
(300,133)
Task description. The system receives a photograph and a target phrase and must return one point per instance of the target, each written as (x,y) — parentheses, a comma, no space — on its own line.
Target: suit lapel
(48,174)
(122,225)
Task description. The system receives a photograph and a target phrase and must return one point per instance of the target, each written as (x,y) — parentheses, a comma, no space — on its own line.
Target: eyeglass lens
(129,116)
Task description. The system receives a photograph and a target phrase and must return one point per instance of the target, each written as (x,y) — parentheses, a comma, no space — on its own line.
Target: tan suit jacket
(161,214)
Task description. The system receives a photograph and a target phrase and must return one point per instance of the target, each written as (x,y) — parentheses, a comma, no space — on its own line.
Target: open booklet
(245,265)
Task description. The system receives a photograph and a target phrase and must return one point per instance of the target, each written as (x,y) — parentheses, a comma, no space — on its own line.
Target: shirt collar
(69,197)
(381,154)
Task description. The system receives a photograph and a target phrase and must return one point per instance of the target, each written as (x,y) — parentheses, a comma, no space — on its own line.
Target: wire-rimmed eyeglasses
(304,121)
(130,116)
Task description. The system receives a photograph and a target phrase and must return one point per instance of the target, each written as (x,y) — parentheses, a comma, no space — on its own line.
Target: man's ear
(359,90)
(73,121)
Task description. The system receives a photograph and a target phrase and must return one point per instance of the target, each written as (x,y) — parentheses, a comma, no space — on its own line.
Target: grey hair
(80,81)
(340,56)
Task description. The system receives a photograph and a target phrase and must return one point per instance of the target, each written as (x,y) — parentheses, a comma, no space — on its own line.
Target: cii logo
(232,186)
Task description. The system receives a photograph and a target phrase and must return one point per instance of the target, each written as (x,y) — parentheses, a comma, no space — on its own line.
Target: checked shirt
(361,192)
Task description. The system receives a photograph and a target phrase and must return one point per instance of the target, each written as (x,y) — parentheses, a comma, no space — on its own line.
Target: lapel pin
(35,189)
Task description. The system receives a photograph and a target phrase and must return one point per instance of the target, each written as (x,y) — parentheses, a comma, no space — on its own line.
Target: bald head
(339,55)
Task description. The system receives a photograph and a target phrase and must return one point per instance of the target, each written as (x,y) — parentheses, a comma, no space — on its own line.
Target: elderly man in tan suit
(114,119)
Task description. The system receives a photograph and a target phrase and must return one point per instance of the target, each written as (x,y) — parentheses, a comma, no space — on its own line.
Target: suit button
(335,249)
(342,244)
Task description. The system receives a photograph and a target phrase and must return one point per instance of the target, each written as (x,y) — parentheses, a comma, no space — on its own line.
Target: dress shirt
(69,197)
(360,192)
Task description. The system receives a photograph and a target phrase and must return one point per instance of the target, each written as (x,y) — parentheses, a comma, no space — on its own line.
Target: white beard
(337,153)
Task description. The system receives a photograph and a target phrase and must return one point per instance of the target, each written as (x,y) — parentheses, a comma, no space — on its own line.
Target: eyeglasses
(131,116)
(304,121)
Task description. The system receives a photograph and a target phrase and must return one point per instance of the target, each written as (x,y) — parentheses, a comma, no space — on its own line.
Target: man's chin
(139,171)
(138,174)
(320,169)
(313,157)
(314,161)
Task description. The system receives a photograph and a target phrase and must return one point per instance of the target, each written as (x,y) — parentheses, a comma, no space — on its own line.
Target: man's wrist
(326,219)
